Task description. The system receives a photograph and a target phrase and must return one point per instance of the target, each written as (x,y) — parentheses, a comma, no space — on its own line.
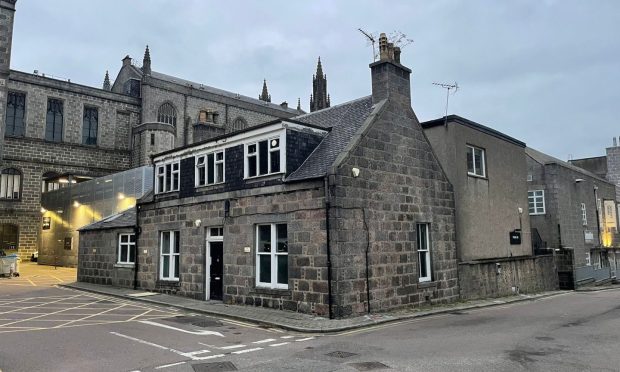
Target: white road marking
(232,347)
(305,339)
(280,344)
(263,341)
(199,333)
(144,342)
(190,355)
(287,337)
(247,350)
(194,353)
(170,365)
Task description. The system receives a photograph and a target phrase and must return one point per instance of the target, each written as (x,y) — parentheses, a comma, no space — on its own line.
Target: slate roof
(344,120)
(125,218)
(221,92)
(544,159)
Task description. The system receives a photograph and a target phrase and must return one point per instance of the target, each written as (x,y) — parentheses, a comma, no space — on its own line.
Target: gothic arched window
(167,114)
(10,182)
(238,124)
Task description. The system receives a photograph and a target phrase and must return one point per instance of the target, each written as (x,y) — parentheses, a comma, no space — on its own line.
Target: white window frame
(424,228)
(161,172)
(274,258)
(281,137)
(204,165)
(477,172)
(588,259)
(535,197)
(129,245)
(10,184)
(584,214)
(174,239)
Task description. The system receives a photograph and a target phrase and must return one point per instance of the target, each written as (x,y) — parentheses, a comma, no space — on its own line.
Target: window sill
(427,284)
(9,200)
(124,265)
(537,214)
(477,176)
(271,291)
(212,185)
(264,176)
(168,283)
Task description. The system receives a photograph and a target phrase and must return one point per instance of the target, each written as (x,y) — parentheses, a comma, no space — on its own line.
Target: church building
(55,133)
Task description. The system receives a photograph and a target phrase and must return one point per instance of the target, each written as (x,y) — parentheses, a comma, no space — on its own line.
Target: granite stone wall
(400,184)
(300,206)
(507,276)
(98,257)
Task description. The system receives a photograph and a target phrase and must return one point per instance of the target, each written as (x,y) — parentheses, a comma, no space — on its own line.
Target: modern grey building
(488,172)
(573,212)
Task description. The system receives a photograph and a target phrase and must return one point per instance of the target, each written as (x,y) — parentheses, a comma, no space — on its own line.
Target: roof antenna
(371,39)
(448,87)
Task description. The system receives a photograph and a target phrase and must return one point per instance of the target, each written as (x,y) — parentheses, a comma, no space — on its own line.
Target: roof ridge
(332,107)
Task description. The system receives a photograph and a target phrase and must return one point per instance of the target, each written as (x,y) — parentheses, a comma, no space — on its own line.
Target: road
(45,328)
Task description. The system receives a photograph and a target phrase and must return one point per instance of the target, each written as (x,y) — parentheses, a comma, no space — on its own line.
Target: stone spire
(265,96)
(106,82)
(298,104)
(319,99)
(146,62)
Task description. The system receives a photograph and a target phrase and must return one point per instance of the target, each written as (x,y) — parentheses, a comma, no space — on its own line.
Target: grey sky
(545,72)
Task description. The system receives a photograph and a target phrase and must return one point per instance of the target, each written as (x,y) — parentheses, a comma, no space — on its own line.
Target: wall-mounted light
(43,210)
(520,210)
(355,172)
(76,204)
(197,223)
(579,180)
(121,196)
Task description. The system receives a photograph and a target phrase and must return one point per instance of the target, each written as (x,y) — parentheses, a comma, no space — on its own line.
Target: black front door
(216,270)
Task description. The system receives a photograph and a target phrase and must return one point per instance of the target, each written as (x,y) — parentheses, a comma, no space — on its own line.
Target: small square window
(476,161)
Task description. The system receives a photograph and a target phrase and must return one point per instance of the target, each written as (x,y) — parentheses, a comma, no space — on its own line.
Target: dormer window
(210,168)
(167,177)
(263,157)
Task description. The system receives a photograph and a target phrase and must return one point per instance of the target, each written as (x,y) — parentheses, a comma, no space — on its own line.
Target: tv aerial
(448,87)
(397,38)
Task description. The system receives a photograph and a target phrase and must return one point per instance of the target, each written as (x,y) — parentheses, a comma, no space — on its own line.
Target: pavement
(291,321)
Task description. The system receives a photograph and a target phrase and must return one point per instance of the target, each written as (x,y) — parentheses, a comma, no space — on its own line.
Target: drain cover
(197,321)
(212,367)
(368,366)
(340,354)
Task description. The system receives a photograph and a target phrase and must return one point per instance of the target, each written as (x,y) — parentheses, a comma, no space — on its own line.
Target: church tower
(265,96)
(319,99)
(7,13)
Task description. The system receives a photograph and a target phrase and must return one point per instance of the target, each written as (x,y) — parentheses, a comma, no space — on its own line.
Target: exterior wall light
(355,172)
(579,180)
(197,223)
(76,204)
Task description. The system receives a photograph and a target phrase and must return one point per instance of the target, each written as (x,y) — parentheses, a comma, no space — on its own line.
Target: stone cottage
(339,212)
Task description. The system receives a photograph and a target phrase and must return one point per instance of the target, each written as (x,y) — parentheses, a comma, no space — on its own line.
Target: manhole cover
(211,367)
(340,354)
(368,366)
(197,321)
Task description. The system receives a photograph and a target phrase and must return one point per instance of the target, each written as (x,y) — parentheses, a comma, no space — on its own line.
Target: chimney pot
(615,143)
(284,104)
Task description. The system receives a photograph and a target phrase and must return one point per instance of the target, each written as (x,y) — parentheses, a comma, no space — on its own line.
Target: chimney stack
(390,79)
(127,61)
